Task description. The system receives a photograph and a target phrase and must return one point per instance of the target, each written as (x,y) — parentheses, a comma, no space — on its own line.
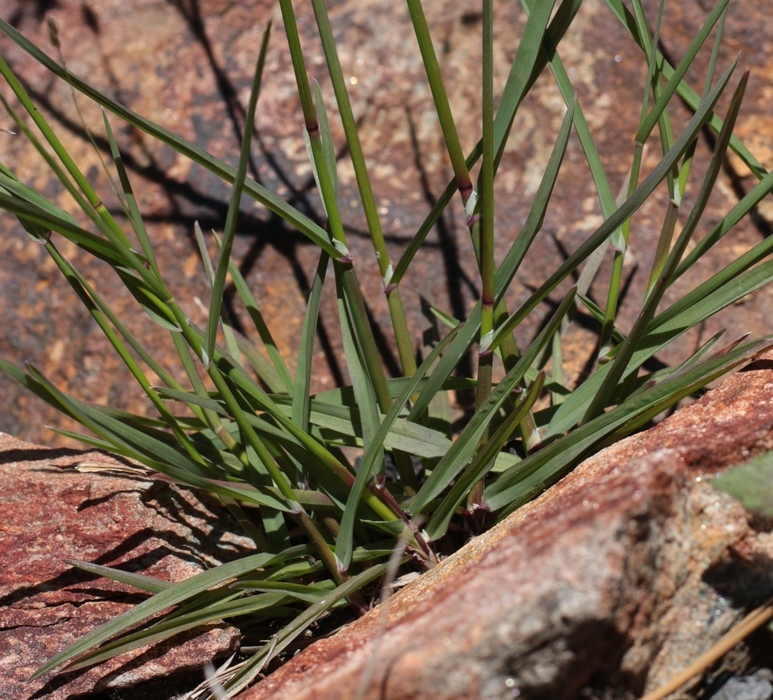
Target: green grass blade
(440,98)
(231,342)
(691,98)
(291,631)
(301,390)
(552,37)
(523,72)
(394,300)
(132,209)
(481,463)
(706,300)
(258,606)
(464,447)
(232,216)
(372,456)
(144,583)
(53,220)
(677,76)
(164,600)
(282,372)
(272,202)
(763,188)
(622,213)
(533,475)
(626,351)
(506,271)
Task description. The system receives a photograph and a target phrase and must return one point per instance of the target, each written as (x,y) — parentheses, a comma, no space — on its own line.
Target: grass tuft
(240,425)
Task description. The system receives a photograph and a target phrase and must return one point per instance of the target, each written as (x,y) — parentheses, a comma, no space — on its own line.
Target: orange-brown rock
(50,512)
(611,582)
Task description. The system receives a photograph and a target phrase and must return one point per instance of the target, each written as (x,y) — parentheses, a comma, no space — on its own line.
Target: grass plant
(242,426)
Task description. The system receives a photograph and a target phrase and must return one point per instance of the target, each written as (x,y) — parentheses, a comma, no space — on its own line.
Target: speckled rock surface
(188,64)
(606,586)
(50,512)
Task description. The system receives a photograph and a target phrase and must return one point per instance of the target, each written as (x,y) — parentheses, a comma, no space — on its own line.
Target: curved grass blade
(529,478)
(272,202)
(291,631)
(256,606)
(144,583)
(164,600)
(52,220)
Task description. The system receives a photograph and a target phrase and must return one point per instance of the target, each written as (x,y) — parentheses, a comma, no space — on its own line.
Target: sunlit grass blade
(344,422)
(283,376)
(763,188)
(677,76)
(626,351)
(465,445)
(483,461)
(144,583)
(234,204)
(270,605)
(367,199)
(691,98)
(164,600)
(372,456)
(525,67)
(301,390)
(533,475)
(271,201)
(505,272)
(132,210)
(291,631)
(555,32)
(622,213)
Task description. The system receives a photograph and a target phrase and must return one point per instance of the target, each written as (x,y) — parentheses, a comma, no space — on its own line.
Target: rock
(606,586)
(189,65)
(755,686)
(48,513)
